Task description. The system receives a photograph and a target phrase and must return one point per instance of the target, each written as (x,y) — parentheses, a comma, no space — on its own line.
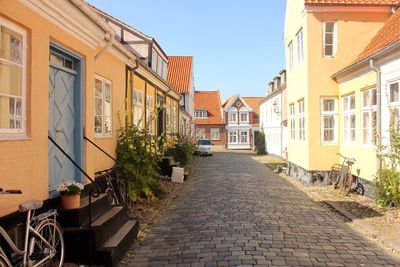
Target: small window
(215,134)
(244,137)
(233,116)
(244,117)
(329,41)
(301,119)
(103,107)
(200,113)
(328,120)
(300,49)
(233,137)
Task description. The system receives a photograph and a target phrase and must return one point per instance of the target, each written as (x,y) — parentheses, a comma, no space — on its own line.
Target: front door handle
(59,130)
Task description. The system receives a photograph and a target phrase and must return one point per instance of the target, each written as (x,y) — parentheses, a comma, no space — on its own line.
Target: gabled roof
(353,2)
(210,101)
(180,70)
(387,35)
(253,102)
(229,101)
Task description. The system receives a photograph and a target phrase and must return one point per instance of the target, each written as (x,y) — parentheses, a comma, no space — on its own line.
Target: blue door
(63,120)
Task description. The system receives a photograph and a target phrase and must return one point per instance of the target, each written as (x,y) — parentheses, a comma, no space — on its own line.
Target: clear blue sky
(237,45)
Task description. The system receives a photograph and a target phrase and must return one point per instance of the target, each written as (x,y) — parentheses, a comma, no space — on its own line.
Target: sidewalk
(360,212)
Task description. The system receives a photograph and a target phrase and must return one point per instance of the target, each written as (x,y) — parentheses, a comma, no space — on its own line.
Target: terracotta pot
(71,201)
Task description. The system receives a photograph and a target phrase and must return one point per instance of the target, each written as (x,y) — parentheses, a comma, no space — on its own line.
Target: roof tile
(180,72)
(211,101)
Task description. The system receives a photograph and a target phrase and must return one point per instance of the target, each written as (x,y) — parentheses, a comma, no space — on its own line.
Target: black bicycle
(341,176)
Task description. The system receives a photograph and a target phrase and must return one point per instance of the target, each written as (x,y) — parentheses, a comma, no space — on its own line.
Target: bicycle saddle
(30,205)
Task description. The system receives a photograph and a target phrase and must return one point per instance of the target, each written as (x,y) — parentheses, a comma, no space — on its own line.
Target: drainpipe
(378,109)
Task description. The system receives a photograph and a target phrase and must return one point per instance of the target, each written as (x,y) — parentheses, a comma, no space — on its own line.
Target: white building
(273,117)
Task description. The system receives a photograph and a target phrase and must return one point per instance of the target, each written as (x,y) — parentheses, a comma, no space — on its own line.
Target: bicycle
(43,243)
(343,177)
(110,190)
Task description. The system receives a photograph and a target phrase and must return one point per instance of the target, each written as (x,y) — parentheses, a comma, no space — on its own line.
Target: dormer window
(233,117)
(200,113)
(244,117)
(159,65)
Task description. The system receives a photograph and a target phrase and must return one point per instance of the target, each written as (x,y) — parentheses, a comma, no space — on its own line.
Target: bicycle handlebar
(11,191)
(352,159)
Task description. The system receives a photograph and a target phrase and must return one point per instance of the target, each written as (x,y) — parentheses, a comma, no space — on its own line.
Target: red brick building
(208,116)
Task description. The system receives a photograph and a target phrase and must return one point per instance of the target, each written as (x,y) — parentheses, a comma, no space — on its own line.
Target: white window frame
(369,109)
(201,133)
(174,119)
(244,134)
(104,81)
(136,105)
(233,113)
(215,134)
(300,45)
(334,39)
(150,113)
(329,113)
(291,56)
(233,134)
(394,105)
(200,114)
(247,116)
(301,120)
(292,122)
(347,112)
(21,132)
(168,120)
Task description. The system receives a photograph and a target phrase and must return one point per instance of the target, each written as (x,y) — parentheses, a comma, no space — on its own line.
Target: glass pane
(56,59)
(98,88)
(10,79)
(11,45)
(329,122)
(329,39)
(154,60)
(328,105)
(329,135)
(98,106)
(366,123)
(352,135)
(352,121)
(373,97)
(395,117)
(329,26)
(366,137)
(352,102)
(345,101)
(394,92)
(366,99)
(97,124)
(328,50)
(107,125)
(107,92)
(5,107)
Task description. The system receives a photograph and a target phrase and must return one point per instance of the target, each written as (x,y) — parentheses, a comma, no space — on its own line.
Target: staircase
(113,232)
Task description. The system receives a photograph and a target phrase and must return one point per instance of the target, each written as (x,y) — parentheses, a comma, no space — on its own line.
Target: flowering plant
(70,188)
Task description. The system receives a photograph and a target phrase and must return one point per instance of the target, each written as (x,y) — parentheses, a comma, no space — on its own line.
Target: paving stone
(234,211)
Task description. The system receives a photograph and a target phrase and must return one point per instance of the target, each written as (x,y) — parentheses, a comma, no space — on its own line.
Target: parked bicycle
(116,187)
(43,243)
(341,175)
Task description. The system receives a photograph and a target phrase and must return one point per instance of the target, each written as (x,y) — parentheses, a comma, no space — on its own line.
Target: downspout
(378,110)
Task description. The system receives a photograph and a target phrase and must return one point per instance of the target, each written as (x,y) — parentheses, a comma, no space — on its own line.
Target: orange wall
(24,163)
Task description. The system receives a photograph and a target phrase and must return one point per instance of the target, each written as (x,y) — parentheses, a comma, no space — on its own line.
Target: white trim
(299,60)
(291,56)
(370,110)
(346,9)
(211,134)
(292,119)
(332,113)
(22,131)
(301,115)
(348,112)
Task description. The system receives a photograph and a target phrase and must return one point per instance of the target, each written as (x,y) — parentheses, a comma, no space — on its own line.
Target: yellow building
(321,38)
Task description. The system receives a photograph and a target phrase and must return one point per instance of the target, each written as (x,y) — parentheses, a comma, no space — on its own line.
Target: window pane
(329,122)
(11,45)
(366,99)
(328,39)
(352,102)
(10,79)
(329,26)
(98,103)
(366,123)
(373,97)
(107,92)
(98,88)
(328,50)
(97,124)
(395,117)
(328,105)
(345,101)
(329,135)
(394,92)
(366,137)
(352,121)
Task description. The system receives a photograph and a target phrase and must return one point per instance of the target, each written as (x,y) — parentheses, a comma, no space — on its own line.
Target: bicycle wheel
(348,182)
(38,250)
(359,189)
(4,261)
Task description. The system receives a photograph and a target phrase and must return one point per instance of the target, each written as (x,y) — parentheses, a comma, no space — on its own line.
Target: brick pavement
(236,212)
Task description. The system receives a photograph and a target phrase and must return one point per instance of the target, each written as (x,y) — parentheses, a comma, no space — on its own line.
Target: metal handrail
(93,192)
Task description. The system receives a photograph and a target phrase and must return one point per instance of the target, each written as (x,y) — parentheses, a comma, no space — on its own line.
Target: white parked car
(204,147)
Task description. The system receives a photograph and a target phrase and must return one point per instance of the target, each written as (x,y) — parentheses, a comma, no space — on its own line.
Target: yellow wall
(365,155)
(311,79)
(24,163)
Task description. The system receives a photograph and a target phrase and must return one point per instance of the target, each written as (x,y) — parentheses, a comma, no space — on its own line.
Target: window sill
(103,137)
(14,138)
(329,143)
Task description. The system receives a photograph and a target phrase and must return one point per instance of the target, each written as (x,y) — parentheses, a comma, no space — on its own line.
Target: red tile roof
(253,102)
(387,35)
(353,2)
(229,101)
(180,72)
(211,101)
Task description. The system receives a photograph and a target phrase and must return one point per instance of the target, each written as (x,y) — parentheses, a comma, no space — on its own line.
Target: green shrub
(260,143)
(182,150)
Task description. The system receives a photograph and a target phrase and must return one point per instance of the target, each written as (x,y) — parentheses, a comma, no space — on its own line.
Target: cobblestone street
(237,212)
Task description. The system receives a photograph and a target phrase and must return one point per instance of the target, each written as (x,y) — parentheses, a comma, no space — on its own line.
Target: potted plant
(70,194)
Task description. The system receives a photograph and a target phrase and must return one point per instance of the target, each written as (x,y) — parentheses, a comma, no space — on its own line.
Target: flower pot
(70,202)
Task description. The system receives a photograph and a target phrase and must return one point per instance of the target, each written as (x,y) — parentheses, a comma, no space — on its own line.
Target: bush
(137,151)
(387,181)
(260,143)
(182,150)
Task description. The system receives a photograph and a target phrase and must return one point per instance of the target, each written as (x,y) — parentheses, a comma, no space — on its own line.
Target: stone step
(108,223)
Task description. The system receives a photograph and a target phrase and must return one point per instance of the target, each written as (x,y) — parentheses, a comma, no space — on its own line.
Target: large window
(328,120)
(349,118)
(215,134)
(301,119)
(200,113)
(291,56)
(244,137)
(12,78)
(233,137)
(300,47)
(137,103)
(329,40)
(292,122)
(369,117)
(394,105)
(103,107)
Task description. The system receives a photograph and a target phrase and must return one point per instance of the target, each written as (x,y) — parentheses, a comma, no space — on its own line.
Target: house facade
(180,76)
(208,117)
(273,117)
(242,121)
(320,38)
